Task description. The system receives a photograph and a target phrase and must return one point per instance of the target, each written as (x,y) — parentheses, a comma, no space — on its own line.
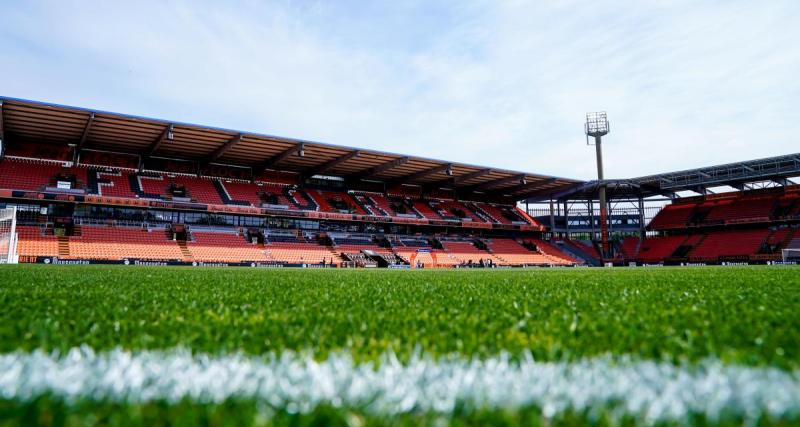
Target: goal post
(790,255)
(8,236)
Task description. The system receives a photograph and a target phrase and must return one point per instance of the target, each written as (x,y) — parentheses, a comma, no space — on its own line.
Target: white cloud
(503,84)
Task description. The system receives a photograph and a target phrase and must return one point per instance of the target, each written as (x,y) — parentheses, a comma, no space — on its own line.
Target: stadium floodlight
(597,127)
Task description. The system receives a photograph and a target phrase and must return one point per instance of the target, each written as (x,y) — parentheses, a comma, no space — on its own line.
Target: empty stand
(111,183)
(33,242)
(655,249)
(512,253)
(740,243)
(201,190)
(224,247)
(455,210)
(422,207)
(29,175)
(116,243)
(672,216)
(301,253)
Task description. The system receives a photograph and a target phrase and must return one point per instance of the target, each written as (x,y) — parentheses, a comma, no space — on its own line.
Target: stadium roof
(101,130)
(777,169)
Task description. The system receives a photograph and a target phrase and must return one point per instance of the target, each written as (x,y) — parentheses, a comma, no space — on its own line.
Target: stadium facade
(98,187)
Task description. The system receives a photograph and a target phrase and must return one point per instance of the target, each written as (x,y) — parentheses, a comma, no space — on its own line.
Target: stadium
(81,187)
(96,187)
(355,214)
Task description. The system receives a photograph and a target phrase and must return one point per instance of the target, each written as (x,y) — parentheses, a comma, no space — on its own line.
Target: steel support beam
(379,169)
(85,135)
(418,175)
(331,164)
(454,181)
(497,182)
(521,187)
(166,134)
(274,160)
(219,152)
(783,182)
(552,192)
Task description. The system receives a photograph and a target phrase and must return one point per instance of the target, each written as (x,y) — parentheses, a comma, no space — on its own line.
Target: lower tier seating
(32,242)
(224,247)
(116,243)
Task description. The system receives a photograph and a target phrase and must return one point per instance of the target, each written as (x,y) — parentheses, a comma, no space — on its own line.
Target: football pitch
(85,345)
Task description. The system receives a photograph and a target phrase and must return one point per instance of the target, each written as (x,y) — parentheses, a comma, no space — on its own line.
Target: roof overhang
(24,120)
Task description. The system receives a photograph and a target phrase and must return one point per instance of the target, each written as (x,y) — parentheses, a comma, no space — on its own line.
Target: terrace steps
(63,246)
(187,254)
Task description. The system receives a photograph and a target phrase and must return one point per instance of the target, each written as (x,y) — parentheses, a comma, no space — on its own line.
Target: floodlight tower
(597,127)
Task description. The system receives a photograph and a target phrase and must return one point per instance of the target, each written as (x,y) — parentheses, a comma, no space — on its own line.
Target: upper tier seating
(28,175)
(505,215)
(111,183)
(201,190)
(425,210)
(455,210)
(376,204)
(336,202)
(239,191)
(672,216)
(151,185)
(742,209)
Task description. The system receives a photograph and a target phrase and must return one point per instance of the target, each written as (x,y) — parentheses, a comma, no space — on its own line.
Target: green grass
(745,315)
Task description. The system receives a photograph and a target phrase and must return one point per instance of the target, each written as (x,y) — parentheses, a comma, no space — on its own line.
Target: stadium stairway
(576,252)
(63,246)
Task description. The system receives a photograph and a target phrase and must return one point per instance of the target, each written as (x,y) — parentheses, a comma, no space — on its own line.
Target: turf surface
(742,315)
(746,315)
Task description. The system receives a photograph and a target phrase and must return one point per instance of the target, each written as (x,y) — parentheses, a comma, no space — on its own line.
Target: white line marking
(649,391)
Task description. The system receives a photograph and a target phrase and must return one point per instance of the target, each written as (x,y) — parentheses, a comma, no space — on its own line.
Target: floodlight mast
(597,127)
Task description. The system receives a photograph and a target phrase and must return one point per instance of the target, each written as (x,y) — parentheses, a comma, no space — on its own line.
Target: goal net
(791,255)
(8,236)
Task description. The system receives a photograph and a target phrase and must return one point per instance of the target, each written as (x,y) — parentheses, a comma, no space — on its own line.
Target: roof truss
(283,155)
(219,152)
(494,183)
(166,134)
(86,129)
(379,169)
(457,179)
(418,175)
(527,185)
(331,164)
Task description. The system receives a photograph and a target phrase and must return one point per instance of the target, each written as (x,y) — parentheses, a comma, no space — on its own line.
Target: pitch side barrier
(165,263)
(249,210)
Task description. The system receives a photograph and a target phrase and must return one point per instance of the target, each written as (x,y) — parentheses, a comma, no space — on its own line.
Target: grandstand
(100,187)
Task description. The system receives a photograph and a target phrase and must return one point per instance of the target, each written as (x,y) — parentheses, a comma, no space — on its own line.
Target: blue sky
(504,84)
